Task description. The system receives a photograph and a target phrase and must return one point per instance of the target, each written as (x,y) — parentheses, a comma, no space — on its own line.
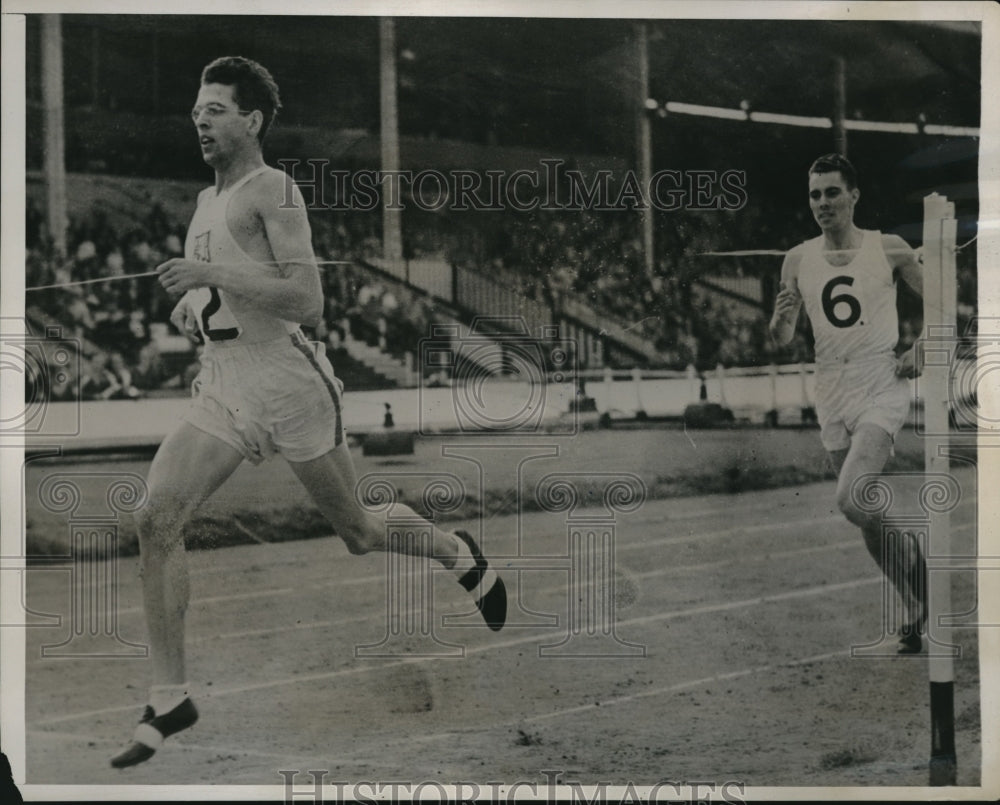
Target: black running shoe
(485,586)
(152,730)
(910,641)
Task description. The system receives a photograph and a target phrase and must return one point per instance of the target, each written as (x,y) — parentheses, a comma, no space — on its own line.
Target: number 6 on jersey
(831,300)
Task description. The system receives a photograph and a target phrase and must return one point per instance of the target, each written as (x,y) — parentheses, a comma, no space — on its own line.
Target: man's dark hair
(828,163)
(253,86)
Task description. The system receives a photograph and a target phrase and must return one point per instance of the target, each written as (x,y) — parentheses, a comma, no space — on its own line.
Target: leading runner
(846,278)
(248,280)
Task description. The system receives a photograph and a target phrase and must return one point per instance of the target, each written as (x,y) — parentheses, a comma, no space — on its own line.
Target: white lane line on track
(693,514)
(833,546)
(493,646)
(364,580)
(76,737)
(679,686)
(665,521)
(269,592)
(591,707)
(324,624)
(279,591)
(632,521)
(425,738)
(728,532)
(614,701)
(353,619)
(811,522)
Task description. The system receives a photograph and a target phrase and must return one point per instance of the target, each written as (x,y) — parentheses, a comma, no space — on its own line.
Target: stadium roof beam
(747,115)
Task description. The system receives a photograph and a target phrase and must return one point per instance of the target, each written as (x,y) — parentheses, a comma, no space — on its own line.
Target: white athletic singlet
(222,318)
(852,308)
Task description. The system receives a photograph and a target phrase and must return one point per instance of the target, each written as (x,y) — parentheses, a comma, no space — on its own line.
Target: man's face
(832,204)
(222,126)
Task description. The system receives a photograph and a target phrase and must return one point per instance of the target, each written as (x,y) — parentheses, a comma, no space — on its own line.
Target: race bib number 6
(834,303)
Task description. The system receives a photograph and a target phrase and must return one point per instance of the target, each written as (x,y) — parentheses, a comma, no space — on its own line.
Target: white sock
(164,698)
(464,562)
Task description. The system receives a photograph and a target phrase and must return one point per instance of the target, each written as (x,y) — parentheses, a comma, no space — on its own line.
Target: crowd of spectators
(359,304)
(547,256)
(596,257)
(112,321)
(120,324)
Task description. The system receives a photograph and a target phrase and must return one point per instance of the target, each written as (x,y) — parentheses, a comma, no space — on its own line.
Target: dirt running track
(745,607)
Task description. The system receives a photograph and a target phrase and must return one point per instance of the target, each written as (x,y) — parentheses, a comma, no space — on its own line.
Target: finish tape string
(116,278)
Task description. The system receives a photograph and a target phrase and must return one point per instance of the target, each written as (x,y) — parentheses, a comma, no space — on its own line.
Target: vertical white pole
(392,233)
(720,373)
(773,372)
(644,141)
(839,105)
(411,381)
(940,337)
(640,409)
(805,388)
(55,151)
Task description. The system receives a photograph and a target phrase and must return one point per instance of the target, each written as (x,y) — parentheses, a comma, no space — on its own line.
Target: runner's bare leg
(189,466)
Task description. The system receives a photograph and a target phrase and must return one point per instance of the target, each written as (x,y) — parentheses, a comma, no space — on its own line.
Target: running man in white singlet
(846,280)
(247,281)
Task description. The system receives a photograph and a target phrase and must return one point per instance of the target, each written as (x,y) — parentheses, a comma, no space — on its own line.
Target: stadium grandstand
(498,98)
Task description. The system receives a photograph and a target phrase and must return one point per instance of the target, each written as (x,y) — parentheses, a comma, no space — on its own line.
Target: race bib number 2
(216,321)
